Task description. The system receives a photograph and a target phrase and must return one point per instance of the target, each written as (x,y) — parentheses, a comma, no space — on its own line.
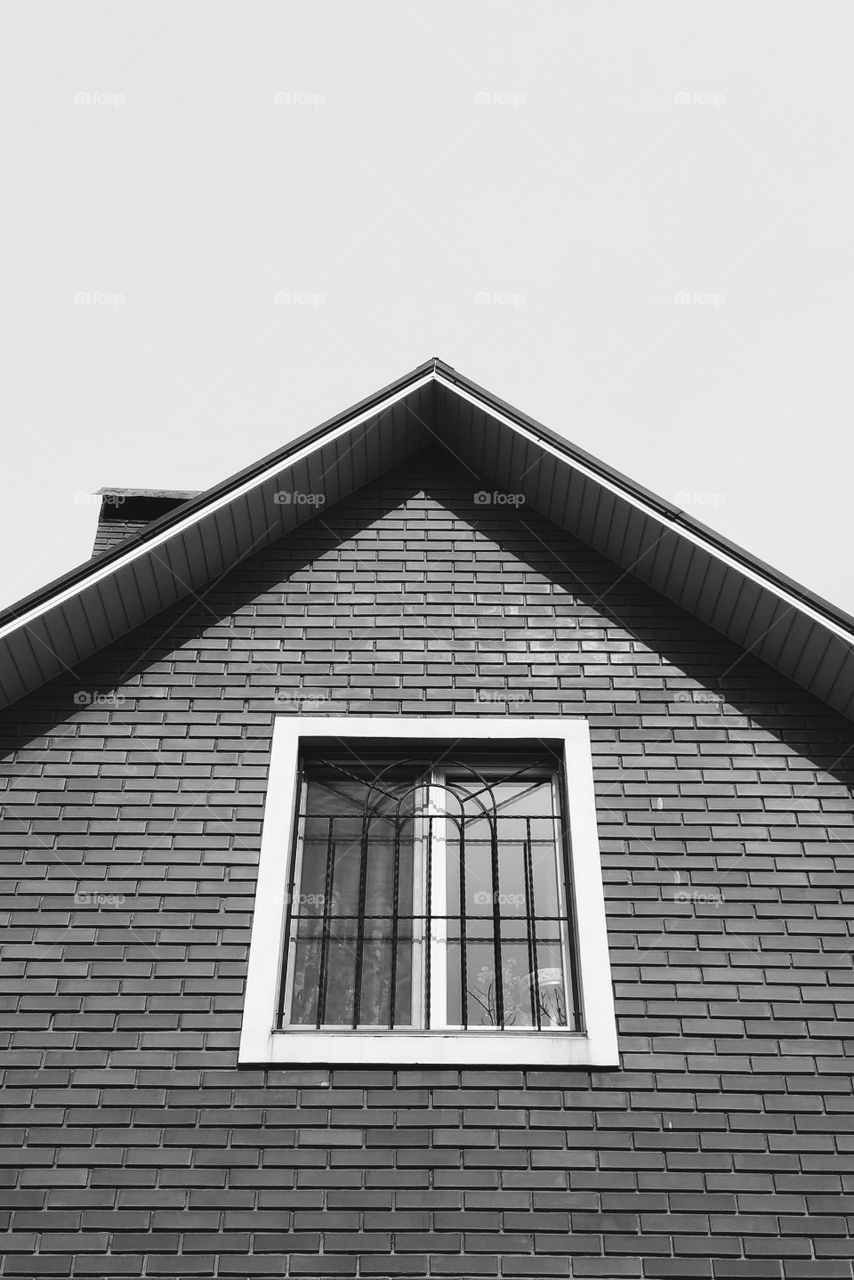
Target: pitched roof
(785,625)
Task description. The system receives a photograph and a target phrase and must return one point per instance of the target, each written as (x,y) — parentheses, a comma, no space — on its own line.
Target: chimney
(124,512)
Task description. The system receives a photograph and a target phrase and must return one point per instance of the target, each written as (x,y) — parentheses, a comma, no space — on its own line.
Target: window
(429,892)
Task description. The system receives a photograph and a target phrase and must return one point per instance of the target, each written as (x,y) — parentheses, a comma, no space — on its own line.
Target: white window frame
(263,1043)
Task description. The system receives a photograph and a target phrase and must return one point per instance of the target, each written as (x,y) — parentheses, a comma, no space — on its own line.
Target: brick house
(427,854)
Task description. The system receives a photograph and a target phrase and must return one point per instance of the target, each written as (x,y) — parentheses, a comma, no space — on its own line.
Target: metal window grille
(429,894)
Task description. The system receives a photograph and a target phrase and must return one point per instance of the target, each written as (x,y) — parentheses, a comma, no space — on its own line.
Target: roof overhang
(794,631)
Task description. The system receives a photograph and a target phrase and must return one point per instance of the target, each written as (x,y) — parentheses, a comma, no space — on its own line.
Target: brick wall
(721,1148)
(111,532)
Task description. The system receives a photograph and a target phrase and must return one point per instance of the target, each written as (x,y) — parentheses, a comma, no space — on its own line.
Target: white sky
(580,164)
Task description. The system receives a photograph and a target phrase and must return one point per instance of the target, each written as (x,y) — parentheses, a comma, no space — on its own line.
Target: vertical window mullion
(395,910)
(428,920)
(360,923)
(438,940)
(292,915)
(464,1008)
(531,930)
(564,890)
(419,899)
(496,923)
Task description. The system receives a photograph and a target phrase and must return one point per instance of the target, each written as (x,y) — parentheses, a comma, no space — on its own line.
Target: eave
(781,622)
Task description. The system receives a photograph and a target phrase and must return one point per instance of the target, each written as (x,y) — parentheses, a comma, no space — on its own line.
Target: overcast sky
(222,223)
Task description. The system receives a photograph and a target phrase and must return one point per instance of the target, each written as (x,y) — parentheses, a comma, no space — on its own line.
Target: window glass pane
(310,896)
(306,974)
(550,984)
(403,976)
(379,969)
(340,975)
(376,973)
(455,1003)
(478,875)
(356,879)
(544,864)
(519,1011)
(481,990)
(512,899)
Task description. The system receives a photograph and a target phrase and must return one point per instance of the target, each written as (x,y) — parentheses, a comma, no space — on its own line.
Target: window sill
(428,1048)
